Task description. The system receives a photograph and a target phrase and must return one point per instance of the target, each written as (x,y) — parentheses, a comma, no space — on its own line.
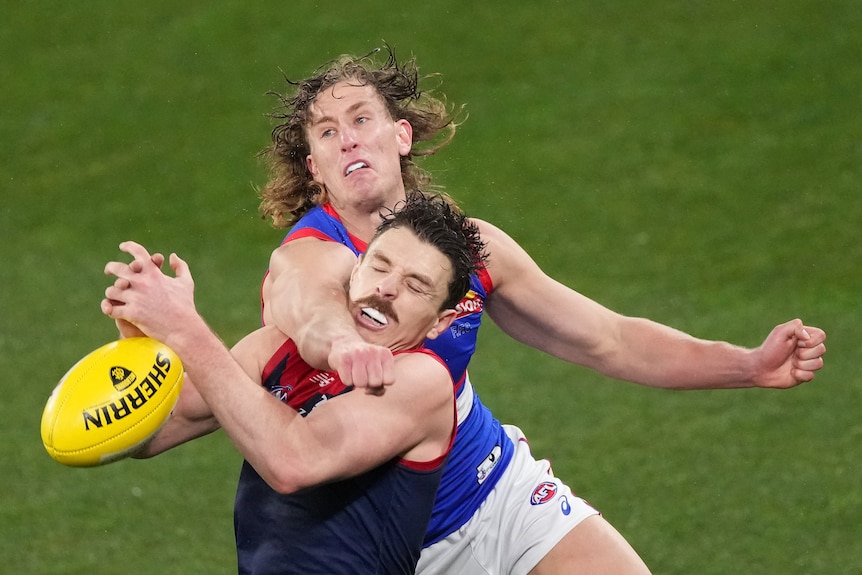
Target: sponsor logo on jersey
(565,507)
(471,304)
(322,379)
(543,493)
(487,466)
(463,328)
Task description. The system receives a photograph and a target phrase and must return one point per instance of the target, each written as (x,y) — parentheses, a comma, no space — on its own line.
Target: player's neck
(360,225)
(362,220)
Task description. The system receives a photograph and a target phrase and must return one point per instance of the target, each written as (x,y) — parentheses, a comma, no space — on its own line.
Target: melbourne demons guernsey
(370,523)
(482,450)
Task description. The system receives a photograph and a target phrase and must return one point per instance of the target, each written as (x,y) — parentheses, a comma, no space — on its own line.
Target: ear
(309,163)
(405,137)
(444,320)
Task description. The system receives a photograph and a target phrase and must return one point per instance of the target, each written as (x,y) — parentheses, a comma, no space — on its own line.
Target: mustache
(378,303)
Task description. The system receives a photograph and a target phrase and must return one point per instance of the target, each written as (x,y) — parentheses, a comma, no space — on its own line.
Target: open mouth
(355,166)
(374,316)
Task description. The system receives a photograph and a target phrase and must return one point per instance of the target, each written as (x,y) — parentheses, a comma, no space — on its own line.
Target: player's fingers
(802,375)
(345,372)
(387,368)
(373,374)
(112,292)
(816,336)
(379,367)
(113,309)
(135,250)
(362,373)
(817,351)
(809,364)
(181,270)
(118,269)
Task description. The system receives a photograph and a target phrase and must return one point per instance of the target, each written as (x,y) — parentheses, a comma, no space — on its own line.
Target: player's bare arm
(574,328)
(355,432)
(360,434)
(304,296)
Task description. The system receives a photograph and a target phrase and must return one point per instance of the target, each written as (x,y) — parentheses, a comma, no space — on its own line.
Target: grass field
(698,163)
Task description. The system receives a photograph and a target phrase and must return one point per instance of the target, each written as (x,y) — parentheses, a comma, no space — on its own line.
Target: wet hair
(291,190)
(436,221)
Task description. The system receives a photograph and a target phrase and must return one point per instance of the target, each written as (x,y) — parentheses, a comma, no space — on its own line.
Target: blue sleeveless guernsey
(482,450)
(371,523)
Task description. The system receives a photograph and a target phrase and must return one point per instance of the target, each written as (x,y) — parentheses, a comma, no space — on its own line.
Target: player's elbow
(287,478)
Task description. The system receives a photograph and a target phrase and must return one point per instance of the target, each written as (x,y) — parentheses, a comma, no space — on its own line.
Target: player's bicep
(359,431)
(305,269)
(537,310)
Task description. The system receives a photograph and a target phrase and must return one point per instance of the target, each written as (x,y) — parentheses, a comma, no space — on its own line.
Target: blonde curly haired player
(343,150)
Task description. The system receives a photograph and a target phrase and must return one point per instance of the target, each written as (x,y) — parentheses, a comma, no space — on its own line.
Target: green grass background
(696,162)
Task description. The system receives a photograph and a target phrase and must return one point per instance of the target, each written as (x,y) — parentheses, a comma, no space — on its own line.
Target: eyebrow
(420,277)
(324,119)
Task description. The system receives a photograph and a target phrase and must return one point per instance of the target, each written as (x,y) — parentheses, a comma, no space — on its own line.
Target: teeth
(375,315)
(355,166)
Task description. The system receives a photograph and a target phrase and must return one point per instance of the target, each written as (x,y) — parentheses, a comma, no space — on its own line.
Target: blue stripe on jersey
(481,453)
(318,219)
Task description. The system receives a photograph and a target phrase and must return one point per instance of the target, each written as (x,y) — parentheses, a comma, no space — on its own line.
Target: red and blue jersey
(371,523)
(482,450)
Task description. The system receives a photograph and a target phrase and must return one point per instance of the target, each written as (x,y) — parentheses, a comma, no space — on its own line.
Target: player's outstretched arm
(304,296)
(537,310)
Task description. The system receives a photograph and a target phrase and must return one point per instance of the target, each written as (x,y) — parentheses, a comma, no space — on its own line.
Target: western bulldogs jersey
(371,523)
(482,450)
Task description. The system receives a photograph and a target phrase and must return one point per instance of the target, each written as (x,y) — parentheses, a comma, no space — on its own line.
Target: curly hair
(291,190)
(435,221)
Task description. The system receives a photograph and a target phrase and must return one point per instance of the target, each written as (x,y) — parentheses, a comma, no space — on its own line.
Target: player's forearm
(315,321)
(176,431)
(659,356)
(270,435)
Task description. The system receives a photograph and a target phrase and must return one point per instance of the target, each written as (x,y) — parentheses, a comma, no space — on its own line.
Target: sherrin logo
(107,413)
(122,378)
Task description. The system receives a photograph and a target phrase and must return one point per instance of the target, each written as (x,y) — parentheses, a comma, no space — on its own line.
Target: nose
(348,138)
(387,288)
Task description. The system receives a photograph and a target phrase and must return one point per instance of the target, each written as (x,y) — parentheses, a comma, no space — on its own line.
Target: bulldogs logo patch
(543,493)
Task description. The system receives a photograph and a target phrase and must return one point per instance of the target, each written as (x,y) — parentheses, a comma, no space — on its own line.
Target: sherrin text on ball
(111,402)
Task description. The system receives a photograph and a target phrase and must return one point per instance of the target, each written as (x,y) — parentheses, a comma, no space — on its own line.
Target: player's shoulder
(310,251)
(422,366)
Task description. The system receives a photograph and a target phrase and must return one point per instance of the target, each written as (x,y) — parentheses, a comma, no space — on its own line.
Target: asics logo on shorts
(543,493)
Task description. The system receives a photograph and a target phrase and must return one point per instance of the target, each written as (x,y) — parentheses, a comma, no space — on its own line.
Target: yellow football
(111,402)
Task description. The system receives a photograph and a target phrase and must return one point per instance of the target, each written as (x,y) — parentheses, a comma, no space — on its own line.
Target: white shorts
(526,514)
